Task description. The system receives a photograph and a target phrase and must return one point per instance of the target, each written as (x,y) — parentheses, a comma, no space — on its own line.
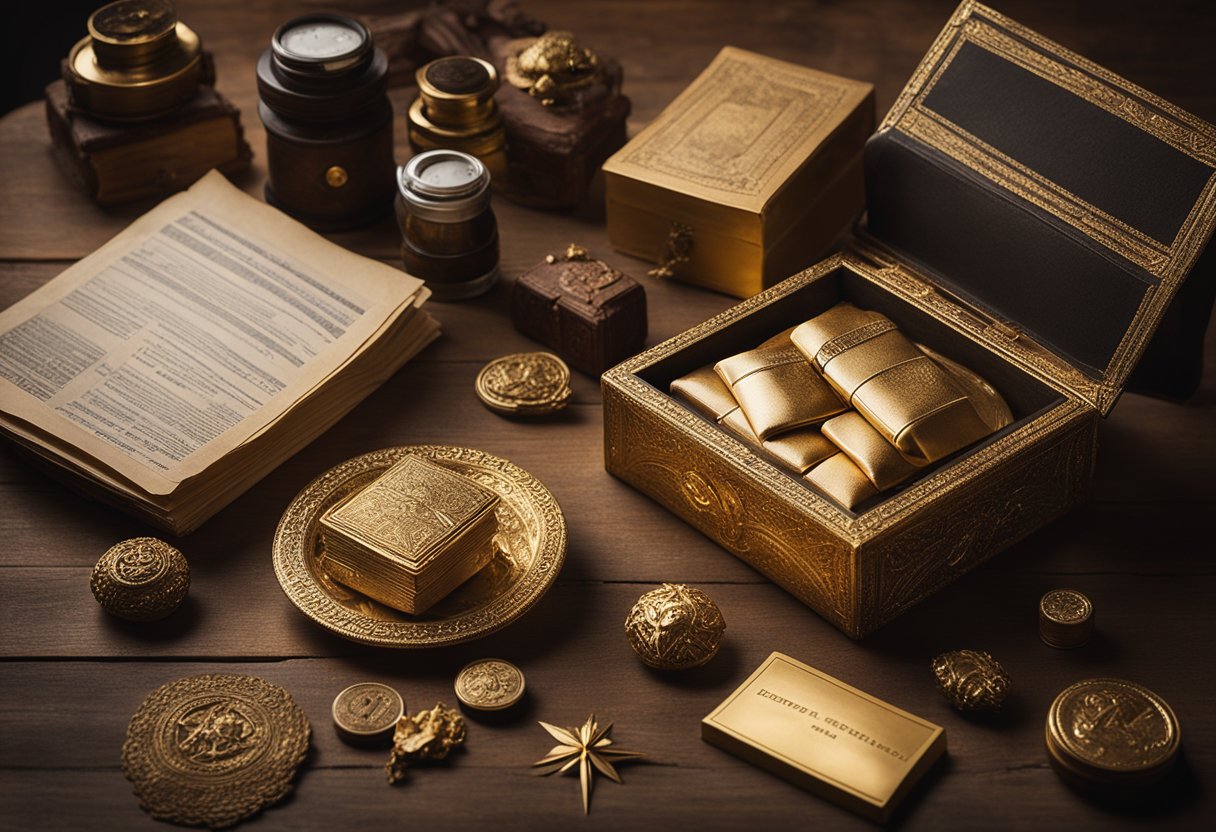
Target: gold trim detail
(975,23)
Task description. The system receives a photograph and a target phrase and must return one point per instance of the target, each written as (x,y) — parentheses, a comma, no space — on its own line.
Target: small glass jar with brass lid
(449,236)
(138,62)
(455,109)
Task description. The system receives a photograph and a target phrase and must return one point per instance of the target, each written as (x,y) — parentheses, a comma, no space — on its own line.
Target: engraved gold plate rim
(531,544)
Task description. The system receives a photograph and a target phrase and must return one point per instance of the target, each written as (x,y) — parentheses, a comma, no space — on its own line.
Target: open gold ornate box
(1030,216)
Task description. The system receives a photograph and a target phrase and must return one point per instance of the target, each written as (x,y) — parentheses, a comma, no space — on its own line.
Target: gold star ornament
(587,747)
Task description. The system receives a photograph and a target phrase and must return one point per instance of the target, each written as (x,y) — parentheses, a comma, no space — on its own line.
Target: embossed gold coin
(141,579)
(489,685)
(1111,733)
(1066,618)
(524,384)
(366,713)
(212,750)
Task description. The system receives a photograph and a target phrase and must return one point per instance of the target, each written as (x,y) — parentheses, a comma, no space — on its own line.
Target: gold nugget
(426,735)
(971,680)
(675,627)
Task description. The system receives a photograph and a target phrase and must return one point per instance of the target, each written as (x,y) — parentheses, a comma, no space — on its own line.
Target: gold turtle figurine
(552,68)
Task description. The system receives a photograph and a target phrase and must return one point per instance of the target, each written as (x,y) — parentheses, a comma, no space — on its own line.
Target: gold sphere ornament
(675,627)
(971,680)
(141,579)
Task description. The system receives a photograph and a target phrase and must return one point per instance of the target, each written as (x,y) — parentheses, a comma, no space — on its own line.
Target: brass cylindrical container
(329,124)
(449,236)
(455,109)
(137,62)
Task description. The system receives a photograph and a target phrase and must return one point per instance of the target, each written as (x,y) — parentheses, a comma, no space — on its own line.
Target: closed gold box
(759,160)
(1030,216)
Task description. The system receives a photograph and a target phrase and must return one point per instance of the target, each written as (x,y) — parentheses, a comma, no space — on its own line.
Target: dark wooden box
(591,314)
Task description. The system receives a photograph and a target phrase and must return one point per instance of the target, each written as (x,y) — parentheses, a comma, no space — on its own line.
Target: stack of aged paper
(186,358)
(412,536)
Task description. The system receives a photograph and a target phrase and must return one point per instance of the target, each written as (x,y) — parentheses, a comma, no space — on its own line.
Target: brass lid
(457,94)
(137,63)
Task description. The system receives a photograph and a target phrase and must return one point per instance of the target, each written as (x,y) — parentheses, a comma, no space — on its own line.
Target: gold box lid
(1108,195)
(744,147)
(412,513)
(825,736)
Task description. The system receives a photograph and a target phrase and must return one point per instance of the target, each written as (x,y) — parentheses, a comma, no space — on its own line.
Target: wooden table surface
(70,676)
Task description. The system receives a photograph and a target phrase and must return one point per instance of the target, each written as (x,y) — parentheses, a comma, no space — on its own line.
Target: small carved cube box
(1030,216)
(591,314)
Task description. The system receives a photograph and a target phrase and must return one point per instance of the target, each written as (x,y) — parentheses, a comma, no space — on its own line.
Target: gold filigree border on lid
(976,23)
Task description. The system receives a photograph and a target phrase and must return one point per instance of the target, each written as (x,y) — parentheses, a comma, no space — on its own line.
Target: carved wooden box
(1002,250)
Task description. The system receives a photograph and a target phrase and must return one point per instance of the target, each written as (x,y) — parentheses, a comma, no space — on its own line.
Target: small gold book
(825,736)
(413,535)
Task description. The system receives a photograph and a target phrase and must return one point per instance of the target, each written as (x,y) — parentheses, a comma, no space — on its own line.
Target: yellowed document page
(189,332)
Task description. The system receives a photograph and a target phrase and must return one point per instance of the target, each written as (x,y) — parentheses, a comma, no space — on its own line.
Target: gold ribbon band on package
(777,388)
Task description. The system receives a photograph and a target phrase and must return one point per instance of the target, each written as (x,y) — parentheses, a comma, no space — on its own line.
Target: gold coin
(1111,731)
(524,384)
(367,712)
(212,750)
(489,685)
(1066,618)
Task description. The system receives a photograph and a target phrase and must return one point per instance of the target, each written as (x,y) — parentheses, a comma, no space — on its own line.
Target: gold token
(524,384)
(366,713)
(489,685)
(1110,732)
(141,579)
(212,750)
(1066,618)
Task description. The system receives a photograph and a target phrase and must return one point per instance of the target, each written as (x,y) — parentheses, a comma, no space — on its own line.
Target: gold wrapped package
(412,536)
(902,392)
(798,449)
(777,389)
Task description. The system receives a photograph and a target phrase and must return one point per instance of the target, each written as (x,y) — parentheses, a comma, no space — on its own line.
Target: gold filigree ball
(971,680)
(675,627)
(141,579)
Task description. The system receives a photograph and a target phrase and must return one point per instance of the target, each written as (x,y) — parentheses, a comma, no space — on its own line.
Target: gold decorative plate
(530,543)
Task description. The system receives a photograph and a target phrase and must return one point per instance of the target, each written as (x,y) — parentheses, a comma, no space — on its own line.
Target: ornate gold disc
(212,750)
(530,544)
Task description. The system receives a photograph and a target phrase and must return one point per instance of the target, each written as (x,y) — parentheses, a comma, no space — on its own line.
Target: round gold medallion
(212,750)
(524,384)
(367,713)
(675,627)
(141,579)
(1111,733)
(489,685)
